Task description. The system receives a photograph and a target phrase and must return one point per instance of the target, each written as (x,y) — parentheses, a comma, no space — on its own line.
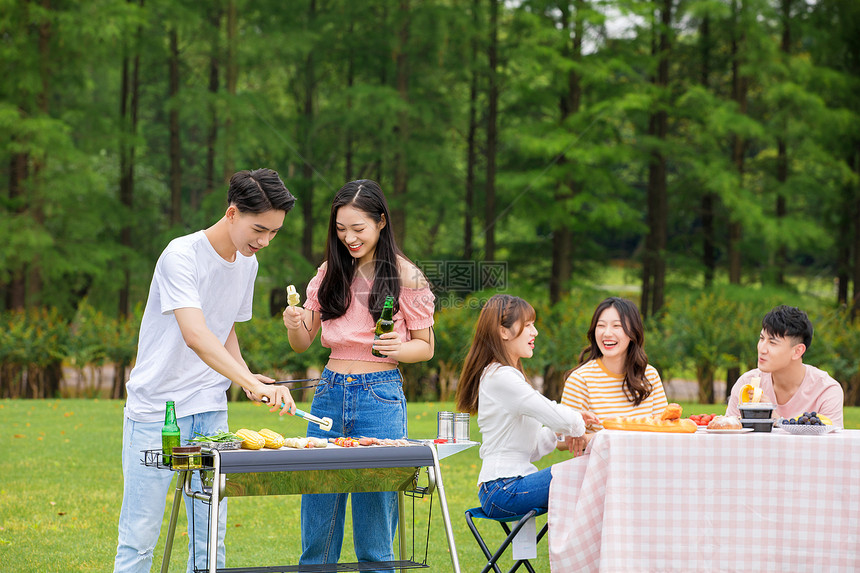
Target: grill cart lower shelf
(234,473)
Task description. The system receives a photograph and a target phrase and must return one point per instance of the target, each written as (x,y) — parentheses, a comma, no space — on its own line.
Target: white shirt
(189,274)
(518,424)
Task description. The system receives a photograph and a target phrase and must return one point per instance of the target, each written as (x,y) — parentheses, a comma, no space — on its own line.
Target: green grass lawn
(61,490)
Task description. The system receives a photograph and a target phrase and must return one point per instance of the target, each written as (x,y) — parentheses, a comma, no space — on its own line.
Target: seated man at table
(792,386)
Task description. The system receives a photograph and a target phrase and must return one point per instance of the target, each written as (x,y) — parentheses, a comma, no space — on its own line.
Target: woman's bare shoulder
(410,275)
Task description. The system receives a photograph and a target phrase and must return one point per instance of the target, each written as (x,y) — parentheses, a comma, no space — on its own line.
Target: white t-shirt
(518,424)
(188,274)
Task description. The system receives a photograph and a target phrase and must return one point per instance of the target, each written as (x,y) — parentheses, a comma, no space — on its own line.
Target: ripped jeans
(507,497)
(146,489)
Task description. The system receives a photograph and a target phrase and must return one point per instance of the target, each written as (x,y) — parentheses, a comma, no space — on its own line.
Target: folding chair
(478,513)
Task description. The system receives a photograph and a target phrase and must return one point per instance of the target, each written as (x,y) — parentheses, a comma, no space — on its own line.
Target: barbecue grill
(287,471)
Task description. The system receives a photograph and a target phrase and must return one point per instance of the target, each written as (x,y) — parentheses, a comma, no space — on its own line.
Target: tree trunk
(739,93)
(732,375)
(173,121)
(36,204)
(232,81)
(350,82)
(655,243)
(471,144)
(553,382)
(855,307)
(212,130)
(129,96)
(16,292)
(569,104)
(307,201)
(398,211)
(843,252)
(709,257)
(705,378)
(128,119)
(782,154)
(492,121)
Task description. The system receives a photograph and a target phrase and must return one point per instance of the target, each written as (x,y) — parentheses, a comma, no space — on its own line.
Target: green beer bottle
(169,433)
(385,322)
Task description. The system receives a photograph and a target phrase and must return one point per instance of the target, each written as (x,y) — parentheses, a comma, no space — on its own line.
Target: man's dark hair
(788,321)
(259,191)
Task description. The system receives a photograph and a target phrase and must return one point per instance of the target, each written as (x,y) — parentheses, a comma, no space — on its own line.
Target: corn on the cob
(293,298)
(274,440)
(251,440)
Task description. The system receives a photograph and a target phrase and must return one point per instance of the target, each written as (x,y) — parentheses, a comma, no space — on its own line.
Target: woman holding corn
(362,393)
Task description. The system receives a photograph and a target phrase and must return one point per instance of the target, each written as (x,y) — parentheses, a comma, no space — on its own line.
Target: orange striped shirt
(594,388)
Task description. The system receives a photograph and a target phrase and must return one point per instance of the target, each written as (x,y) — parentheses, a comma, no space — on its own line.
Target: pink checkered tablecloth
(747,503)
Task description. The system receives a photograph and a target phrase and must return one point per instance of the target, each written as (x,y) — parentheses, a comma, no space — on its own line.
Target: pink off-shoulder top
(350,336)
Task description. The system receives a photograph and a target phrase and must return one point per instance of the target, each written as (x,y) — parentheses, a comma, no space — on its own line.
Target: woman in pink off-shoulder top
(361,393)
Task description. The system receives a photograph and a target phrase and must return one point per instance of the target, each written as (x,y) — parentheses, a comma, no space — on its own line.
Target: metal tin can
(461,427)
(445,425)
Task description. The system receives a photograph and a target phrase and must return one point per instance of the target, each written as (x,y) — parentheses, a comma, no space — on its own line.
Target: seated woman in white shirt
(518,424)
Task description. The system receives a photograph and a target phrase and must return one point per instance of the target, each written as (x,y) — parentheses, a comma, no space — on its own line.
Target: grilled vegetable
(274,440)
(251,440)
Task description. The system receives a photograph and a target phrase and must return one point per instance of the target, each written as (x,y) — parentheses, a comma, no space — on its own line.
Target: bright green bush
(836,348)
(33,344)
(698,331)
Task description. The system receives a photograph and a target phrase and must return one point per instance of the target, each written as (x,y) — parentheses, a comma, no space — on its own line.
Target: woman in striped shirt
(613,377)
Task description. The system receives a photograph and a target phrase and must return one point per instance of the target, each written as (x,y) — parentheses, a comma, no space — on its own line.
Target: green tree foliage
(330,90)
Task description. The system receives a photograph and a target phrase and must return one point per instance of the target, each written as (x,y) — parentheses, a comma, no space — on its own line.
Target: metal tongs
(325,424)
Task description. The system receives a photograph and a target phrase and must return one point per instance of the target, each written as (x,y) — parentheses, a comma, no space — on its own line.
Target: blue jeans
(371,405)
(144,492)
(507,497)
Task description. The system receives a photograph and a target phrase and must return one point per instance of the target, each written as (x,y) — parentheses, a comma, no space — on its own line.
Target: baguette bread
(651,424)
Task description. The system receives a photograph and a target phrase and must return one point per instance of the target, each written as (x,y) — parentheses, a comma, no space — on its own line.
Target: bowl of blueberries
(809,423)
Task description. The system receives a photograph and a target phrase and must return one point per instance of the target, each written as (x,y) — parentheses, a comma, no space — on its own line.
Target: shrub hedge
(698,333)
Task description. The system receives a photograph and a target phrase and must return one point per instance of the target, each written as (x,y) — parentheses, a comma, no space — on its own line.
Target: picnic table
(745,502)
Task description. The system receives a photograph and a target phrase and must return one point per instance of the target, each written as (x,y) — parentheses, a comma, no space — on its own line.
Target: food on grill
(650,424)
(724,423)
(251,440)
(345,442)
(274,440)
(217,438)
(393,442)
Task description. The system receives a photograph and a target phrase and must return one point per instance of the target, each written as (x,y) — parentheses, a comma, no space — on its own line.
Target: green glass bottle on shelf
(385,323)
(169,432)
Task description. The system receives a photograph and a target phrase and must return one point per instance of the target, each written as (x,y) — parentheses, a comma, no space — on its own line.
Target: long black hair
(636,386)
(334,293)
